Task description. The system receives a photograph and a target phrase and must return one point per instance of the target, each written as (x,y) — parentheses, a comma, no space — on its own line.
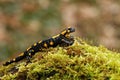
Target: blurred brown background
(23,22)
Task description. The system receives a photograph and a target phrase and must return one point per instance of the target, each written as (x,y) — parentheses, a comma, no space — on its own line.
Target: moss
(79,61)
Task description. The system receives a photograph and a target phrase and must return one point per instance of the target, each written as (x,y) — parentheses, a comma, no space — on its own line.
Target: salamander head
(67,31)
(66,38)
(70,30)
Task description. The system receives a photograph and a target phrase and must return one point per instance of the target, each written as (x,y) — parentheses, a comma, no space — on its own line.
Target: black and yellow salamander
(62,39)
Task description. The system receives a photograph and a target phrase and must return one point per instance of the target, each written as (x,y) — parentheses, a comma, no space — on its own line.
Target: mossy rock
(77,62)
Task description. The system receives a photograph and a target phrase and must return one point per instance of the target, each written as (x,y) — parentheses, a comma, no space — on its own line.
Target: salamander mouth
(72,30)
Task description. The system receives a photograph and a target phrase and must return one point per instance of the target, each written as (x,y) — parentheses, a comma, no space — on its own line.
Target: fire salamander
(62,39)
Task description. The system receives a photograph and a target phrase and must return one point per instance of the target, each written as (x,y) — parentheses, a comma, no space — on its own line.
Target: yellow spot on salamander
(40,41)
(69,27)
(45,45)
(8,61)
(55,36)
(21,54)
(63,32)
(67,35)
(14,59)
(29,54)
(32,50)
(68,31)
(51,43)
(28,48)
(35,44)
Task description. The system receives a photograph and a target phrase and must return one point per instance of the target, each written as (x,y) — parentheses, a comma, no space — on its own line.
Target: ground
(79,61)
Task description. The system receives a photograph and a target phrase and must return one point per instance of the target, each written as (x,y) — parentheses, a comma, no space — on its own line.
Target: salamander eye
(70,30)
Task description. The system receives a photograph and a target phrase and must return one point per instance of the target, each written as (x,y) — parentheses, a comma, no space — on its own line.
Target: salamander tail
(20,57)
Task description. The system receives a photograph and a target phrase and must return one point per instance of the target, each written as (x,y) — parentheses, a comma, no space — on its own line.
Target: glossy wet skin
(62,39)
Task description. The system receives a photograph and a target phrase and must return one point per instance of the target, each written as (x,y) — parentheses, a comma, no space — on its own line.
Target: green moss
(79,61)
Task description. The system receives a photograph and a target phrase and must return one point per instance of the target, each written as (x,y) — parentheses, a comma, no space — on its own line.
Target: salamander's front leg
(67,42)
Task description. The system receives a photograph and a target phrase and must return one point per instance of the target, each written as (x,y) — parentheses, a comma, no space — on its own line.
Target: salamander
(62,39)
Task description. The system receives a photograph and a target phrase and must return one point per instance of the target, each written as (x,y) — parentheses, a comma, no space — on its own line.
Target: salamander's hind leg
(28,59)
(29,55)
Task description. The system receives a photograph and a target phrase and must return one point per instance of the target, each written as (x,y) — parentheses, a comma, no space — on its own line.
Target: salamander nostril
(71,29)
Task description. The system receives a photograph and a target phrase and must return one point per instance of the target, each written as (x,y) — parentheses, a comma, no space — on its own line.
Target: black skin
(63,39)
